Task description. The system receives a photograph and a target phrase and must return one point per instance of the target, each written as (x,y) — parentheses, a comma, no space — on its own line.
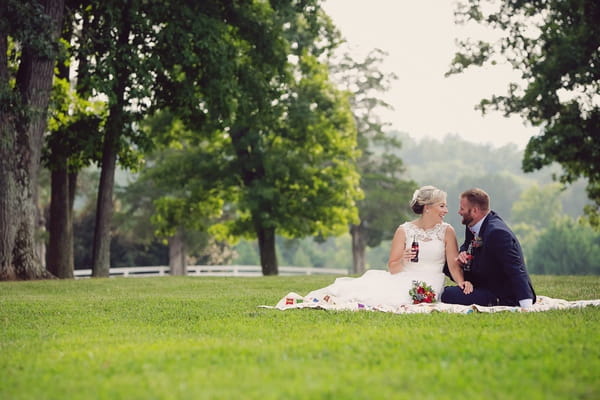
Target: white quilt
(543,303)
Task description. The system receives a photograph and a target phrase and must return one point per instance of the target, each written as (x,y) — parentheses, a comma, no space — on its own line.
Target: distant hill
(454,164)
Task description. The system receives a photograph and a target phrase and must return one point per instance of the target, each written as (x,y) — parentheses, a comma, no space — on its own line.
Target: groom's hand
(466,286)
(463,257)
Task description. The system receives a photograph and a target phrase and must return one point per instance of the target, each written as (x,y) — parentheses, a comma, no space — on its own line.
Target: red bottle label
(415,248)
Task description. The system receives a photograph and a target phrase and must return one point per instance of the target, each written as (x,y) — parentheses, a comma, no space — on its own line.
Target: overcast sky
(420,39)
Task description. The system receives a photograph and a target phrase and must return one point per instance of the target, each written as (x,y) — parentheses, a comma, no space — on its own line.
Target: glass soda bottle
(415,247)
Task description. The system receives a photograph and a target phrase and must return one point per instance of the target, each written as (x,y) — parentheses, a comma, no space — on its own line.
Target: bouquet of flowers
(421,292)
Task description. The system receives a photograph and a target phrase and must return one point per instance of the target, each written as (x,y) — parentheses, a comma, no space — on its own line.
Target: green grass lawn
(205,338)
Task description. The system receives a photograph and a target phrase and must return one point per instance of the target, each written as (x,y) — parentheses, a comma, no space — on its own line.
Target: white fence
(212,270)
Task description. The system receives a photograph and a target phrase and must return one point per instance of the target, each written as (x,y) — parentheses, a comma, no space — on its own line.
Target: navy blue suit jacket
(498,264)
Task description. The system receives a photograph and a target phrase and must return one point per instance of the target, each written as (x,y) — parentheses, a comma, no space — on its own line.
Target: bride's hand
(467,287)
(409,254)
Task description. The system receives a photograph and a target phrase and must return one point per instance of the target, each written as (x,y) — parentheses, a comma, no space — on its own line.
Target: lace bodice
(432,249)
(424,235)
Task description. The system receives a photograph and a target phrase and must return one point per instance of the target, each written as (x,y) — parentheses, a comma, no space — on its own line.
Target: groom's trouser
(482,297)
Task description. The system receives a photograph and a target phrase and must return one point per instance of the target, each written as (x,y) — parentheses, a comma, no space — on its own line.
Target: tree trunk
(177,255)
(252,170)
(72,189)
(114,127)
(266,246)
(22,123)
(60,247)
(359,247)
(60,257)
(40,242)
(104,205)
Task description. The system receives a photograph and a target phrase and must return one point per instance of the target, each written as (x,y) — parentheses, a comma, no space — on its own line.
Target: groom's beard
(467,219)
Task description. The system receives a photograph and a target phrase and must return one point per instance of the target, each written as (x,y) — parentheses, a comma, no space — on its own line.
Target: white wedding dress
(379,289)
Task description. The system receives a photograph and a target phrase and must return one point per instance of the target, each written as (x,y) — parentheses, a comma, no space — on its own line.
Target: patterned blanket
(543,303)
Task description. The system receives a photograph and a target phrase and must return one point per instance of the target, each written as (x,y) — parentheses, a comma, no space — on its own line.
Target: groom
(491,258)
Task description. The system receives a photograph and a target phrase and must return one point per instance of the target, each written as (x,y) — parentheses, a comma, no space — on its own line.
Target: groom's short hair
(477,197)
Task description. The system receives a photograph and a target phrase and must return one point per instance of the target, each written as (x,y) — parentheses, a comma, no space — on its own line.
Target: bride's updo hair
(424,196)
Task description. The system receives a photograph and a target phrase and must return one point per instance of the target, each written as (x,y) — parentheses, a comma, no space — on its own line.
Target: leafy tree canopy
(555,45)
(566,248)
(252,123)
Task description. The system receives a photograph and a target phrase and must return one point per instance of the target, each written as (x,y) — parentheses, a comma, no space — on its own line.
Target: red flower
(421,292)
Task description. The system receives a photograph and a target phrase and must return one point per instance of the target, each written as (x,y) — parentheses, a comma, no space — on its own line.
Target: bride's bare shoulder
(408,224)
(402,229)
(449,229)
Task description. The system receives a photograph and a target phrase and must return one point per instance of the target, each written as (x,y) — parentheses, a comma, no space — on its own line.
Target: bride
(378,288)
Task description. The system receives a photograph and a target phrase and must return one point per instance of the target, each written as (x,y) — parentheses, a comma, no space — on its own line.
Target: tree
(534,212)
(291,134)
(74,139)
(185,56)
(175,197)
(538,206)
(386,194)
(299,178)
(289,141)
(296,176)
(29,34)
(566,248)
(72,144)
(122,70)
(554,45)
(137,57)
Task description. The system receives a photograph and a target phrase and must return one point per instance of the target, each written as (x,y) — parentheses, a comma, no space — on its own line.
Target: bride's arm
(452,259)
(397,252)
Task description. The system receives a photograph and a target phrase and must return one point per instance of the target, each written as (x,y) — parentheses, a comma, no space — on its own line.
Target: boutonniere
(476,243)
